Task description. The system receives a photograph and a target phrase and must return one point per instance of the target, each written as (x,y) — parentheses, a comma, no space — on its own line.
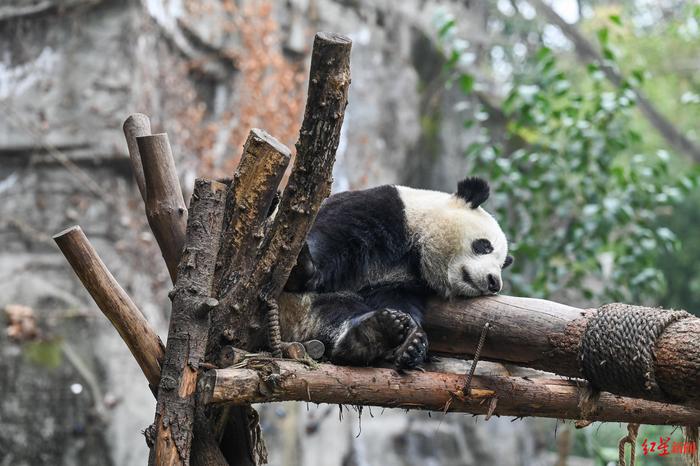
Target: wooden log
(249,198)
(539,334)
(189,326)
(135,126)
(113,301)
(165,206)
(546,335)
(309,183)
(265,380)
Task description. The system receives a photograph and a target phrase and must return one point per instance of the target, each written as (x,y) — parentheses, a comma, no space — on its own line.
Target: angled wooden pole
(165,206)
(113,301)
(135,126)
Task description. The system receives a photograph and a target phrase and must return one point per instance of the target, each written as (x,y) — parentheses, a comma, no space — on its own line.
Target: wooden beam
(113,301)
(189,326)
(165,206)
(265,380)
(135,126)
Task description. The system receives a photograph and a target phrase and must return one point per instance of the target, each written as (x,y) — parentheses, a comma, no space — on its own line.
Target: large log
(250,279)
(547,335)
(264,380)
(543,335)
(115,304)
(189,326)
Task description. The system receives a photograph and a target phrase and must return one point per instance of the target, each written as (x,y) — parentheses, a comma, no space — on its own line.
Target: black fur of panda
(374,256)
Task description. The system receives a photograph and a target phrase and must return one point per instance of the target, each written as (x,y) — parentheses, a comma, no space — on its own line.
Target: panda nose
(494,283)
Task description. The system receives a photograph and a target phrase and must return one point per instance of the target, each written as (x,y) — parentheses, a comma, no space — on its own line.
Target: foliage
(579,204)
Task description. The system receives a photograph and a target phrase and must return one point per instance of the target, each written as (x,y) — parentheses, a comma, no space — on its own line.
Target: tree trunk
(189,326)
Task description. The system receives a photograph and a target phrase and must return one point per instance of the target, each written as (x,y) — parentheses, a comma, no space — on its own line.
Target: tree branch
(242,324)
(264,380)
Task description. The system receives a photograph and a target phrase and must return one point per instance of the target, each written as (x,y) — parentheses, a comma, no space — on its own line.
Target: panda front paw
(411,342)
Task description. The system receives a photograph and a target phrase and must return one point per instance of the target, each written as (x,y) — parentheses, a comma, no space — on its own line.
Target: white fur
(444,226)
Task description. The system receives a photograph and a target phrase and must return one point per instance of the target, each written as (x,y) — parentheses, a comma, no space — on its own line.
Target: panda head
(462,248)
(475,268)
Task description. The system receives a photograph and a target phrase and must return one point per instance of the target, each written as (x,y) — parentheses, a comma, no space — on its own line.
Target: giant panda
(372,258)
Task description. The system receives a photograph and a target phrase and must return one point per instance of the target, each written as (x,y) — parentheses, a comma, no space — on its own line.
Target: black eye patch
(482,246)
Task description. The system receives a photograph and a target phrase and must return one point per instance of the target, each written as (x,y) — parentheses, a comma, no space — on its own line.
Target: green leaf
(446,28)
(466,83)
(615,19)
(608,54)
(603,36)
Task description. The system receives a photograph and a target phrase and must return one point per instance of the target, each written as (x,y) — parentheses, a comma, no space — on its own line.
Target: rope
(631,438)
(274,332)
(617,348)
(477,355)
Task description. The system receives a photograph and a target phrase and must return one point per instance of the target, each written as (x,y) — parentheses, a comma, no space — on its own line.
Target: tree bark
(165,206)
(587,52)
(113,301)
(189,326)
(264,380)
(248,202)
(540,334)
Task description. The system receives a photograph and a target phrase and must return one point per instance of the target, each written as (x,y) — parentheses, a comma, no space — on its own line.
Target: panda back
(360,238)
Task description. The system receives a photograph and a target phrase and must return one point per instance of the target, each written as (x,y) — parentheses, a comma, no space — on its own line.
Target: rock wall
(205,71)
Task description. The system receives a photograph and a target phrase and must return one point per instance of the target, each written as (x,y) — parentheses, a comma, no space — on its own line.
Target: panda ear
(473,190)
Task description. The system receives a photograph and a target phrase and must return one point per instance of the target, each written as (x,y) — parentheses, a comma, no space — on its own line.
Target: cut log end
(68,231)
(264,137)
(333,38)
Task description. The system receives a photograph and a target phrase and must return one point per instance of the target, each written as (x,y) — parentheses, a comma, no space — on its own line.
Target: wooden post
(113,301)
(135,126)
(189,325)
(248,202)
(435,391)
(165,206)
